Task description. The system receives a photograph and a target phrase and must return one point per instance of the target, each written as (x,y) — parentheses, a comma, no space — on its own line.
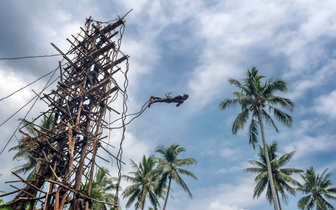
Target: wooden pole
(60,67)
(56,205)
(46,203)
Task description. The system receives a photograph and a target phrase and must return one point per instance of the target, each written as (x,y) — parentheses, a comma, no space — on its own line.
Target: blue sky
(192,47)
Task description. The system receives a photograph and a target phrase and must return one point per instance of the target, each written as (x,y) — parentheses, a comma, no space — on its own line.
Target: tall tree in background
(101,188)
(254,97)
(144,184)
(170,167)
(23,152)
(316,188)
(281,176)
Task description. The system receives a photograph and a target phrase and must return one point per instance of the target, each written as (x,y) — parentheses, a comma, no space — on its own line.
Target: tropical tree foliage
(281,176)
(317,189)
(102,186)
(254,97)
(23,152)
(170,167)
(144,184)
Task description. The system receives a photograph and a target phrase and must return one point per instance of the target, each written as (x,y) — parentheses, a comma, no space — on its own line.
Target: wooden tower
(86,91)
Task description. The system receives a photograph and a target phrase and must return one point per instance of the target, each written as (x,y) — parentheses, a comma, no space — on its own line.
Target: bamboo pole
(38,189)
(47,195)
(60,67)
(56,205)
(71,150)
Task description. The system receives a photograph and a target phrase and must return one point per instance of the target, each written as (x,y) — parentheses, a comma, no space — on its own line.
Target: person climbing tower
(92,78)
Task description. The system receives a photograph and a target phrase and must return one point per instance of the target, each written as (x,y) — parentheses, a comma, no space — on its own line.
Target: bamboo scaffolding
(68,150)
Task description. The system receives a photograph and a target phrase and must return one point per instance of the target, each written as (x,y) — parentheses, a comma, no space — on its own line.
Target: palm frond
(328,205)
(188,173)
(237,84)
(228,103)
(268,119)
(257,163)
(330,196)
(331,190)
(181,183)
(262,175)
(185,162)
(253,132)
(162,183)
(283,102)
(290,171)
(29,126)
(240,121)
(286,178)
(132,196)
(304,202)
(284,159)
(254,170)
(272,149)
(282,117)
(259,188)
(273,86)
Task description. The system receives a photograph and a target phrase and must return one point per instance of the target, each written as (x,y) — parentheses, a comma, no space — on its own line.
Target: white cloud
(305,144)
(143,55)
(10,82)
(229,33)
(230,170)
(331,166)
(233,31)
(237,195)
(207,82)
(311,80)
(325,104)
(219,206)
(136,5)
(238,167)
(306,22)
(228,152)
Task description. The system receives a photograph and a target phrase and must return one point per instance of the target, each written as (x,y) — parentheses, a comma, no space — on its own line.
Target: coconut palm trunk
(143,204)
(166,200)
(278,200)
(269,169)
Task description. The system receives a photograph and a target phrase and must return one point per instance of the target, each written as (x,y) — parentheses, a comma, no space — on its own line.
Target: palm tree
(101,187)
(254,97)
(316,188)
(170,168)
(144,184)
(281,176)
(23,151)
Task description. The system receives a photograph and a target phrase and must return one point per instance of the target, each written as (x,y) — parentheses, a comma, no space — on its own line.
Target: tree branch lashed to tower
(67,153)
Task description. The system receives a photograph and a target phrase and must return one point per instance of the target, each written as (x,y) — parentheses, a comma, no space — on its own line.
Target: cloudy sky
(191,47)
